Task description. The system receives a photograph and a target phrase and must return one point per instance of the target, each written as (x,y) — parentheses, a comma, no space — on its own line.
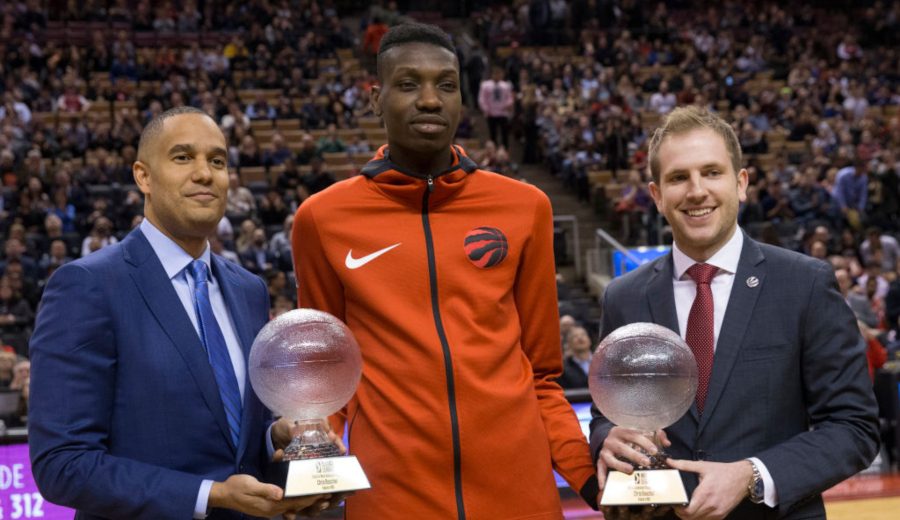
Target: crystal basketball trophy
(644,376)
(304,366)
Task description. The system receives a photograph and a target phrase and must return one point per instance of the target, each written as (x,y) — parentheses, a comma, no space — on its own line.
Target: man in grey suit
(784,408)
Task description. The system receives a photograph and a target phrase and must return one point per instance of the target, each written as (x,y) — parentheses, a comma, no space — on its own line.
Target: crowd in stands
(80,81)
(576,85)
(812,91)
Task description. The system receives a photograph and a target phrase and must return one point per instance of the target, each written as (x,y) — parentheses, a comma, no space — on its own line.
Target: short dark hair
(413,33)
(154,127)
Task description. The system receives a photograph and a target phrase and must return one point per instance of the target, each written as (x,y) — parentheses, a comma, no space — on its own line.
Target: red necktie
(700,327)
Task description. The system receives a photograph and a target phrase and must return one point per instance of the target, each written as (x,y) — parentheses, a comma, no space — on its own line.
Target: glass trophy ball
(643,376)
(305,364)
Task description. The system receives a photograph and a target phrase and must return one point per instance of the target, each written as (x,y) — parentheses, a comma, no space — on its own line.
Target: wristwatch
(756,486)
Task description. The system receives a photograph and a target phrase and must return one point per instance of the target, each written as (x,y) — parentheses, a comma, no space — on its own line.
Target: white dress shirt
(175,261)
(726,259)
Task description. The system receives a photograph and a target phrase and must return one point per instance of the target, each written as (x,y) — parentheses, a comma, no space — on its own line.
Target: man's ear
(141,173)
(374,98)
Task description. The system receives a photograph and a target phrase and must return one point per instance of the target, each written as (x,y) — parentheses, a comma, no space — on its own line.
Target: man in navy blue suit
(140,402)
(784,408)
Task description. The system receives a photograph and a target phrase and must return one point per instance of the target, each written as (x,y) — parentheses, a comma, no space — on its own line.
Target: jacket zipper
(445,346)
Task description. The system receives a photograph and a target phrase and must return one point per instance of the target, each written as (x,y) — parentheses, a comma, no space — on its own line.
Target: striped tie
(214,342)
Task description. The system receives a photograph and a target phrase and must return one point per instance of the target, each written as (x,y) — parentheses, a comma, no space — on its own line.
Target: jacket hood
(409,187)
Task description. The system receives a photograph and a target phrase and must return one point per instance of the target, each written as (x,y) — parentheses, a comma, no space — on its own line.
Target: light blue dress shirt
(175,261)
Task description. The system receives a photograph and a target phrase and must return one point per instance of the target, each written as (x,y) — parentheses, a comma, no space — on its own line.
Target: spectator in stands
(892,307)
(577,360)
(278,152)
(752,140)
(318,177)
(256,257)
(245,235)
(101,235)
(34,166)
(884,182)
(808,201)
(496,101)
(33,187)
(776,203)
(372,39)
(277,283)
(52,231)
(856,298)
(359,145)
(131,207)
(632,206)
(217,246)
(880,248)
(873,281)
(855,102)
(233,118)
(123,67)
(248,152)
(308,150)
(241,204)
(662,101)
(7,362)
(818,250)
(868,148)
(876,355)
(260,108)
(14,107)
(272,210)
(330,142)
(851,193)
(236,52)
(72,102)
(15,252)
(289,177)
(188,18)
(21,374)
(57,255)
(280,245)
(16,314)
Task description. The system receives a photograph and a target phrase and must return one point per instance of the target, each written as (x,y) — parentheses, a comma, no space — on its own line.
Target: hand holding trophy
(304,366)
(643,376)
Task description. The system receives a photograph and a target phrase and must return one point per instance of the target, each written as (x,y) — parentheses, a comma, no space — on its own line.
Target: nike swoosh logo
(356,263)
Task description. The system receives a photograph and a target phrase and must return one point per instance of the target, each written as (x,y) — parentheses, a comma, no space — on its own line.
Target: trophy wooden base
(318,476)
(644,487)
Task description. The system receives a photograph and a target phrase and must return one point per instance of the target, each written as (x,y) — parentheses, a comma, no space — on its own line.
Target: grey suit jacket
(789,383)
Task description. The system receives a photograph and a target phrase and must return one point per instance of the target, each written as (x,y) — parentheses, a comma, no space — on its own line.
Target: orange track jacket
(448,285)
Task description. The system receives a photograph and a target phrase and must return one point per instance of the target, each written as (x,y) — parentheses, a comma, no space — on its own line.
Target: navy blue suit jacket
(125,415)
(789,383)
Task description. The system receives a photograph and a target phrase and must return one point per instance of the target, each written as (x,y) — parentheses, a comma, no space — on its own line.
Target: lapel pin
(752,282)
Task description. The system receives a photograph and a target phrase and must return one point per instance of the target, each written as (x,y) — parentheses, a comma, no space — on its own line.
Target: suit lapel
(661,294)
(159,295)
(741,303)
(236,301)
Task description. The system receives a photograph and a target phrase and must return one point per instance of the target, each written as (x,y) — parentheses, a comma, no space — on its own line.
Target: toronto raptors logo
(486,246)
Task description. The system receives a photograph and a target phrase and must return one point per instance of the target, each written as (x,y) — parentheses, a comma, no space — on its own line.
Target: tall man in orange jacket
(445,274)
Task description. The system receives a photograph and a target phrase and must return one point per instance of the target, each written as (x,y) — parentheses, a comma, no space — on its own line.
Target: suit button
(241,468)
(699,455)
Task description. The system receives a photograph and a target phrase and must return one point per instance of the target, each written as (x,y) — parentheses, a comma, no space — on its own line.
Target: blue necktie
(214,342)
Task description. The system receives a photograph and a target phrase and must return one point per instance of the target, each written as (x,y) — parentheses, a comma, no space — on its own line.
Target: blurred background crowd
(570,88)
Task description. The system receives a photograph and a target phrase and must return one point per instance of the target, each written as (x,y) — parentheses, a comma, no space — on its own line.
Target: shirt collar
(726,258)
(173,258)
